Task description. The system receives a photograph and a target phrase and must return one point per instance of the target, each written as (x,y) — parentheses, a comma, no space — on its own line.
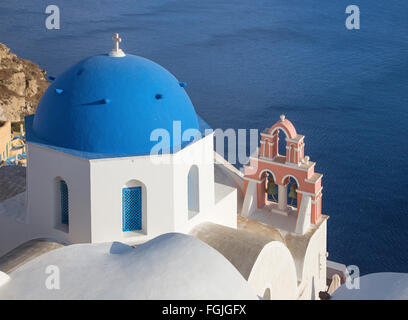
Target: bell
(271,188)
(292,192)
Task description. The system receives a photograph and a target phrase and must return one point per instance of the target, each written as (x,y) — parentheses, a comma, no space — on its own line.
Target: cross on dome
(117,52)
(117,40)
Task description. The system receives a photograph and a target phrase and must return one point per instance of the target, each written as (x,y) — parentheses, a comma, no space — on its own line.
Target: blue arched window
(132,208)
(64,202)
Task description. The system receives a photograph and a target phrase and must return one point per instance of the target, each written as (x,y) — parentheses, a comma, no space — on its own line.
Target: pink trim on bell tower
(294,164)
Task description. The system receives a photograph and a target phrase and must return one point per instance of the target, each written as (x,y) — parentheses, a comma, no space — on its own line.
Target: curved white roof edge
(171,266)
(275,266)
(4,278)
(375,286)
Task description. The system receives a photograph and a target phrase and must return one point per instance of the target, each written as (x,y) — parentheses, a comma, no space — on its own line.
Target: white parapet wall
(250,199)
(225,206)
(303,220)
(4,278)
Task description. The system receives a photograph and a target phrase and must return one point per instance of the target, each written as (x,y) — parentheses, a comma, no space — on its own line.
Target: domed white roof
(171,266)
(376,286)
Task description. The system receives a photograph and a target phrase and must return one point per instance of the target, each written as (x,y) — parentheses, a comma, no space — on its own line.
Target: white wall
(165,179)
(274,269)
(250,199)
(43,169)
(13,227)
(12,234)
(225,206)
(200,154)
(314,264)
(110,176)
(95,195)
(45,166)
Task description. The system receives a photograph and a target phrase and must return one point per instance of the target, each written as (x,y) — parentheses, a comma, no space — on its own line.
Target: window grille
(132,208)
(64,202)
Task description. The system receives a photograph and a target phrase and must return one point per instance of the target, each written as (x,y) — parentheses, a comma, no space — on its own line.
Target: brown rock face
(22,83)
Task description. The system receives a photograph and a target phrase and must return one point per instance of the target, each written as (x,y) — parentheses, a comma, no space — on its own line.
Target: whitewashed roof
(171,266)
(376,286)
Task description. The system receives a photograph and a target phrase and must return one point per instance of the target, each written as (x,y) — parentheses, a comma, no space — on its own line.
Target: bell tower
(292,173)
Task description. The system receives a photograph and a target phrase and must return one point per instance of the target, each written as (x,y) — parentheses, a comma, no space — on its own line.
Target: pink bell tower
(271,167)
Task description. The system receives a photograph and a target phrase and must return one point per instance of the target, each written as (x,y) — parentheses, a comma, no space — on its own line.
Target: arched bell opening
(268,189)
(281,143)
(292,187)
(271,188)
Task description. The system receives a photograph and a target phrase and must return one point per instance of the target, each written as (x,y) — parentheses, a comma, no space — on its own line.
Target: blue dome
(111,105)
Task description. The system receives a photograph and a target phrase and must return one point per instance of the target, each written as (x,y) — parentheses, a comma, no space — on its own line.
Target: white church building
(92,176)
(117,153)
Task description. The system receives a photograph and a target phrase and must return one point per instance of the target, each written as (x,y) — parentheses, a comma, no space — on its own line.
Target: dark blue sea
(248,61)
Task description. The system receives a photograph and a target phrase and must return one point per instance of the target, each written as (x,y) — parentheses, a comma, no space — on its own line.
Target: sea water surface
(248,61)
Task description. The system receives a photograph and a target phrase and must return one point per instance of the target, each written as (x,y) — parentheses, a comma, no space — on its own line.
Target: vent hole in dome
(159,96)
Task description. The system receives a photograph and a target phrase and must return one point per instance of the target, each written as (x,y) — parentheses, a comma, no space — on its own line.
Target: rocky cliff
(22,83)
